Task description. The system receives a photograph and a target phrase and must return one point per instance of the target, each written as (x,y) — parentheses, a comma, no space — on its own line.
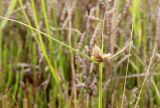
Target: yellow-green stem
(100,85)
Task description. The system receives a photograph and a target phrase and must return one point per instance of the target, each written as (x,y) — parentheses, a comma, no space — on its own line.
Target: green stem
(100,85)
(51,37)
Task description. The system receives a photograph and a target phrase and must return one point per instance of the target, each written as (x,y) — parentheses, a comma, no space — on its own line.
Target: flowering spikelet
(99,56)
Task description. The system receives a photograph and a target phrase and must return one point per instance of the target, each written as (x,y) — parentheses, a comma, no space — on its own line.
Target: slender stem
(100,85)
(101,69)
(130,48)
(48,36)
(146,75)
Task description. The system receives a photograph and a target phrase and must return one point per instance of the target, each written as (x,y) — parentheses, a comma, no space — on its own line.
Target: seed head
(97,55)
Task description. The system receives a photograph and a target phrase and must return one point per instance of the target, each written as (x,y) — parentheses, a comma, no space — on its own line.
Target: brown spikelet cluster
(99,56)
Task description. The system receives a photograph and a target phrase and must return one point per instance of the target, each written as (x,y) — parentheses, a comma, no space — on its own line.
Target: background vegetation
(47,63)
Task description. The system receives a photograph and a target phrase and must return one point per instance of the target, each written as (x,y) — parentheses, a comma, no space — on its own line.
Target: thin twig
(146,75)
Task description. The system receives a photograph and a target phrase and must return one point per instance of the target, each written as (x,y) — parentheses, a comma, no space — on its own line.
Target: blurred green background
(47,63)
